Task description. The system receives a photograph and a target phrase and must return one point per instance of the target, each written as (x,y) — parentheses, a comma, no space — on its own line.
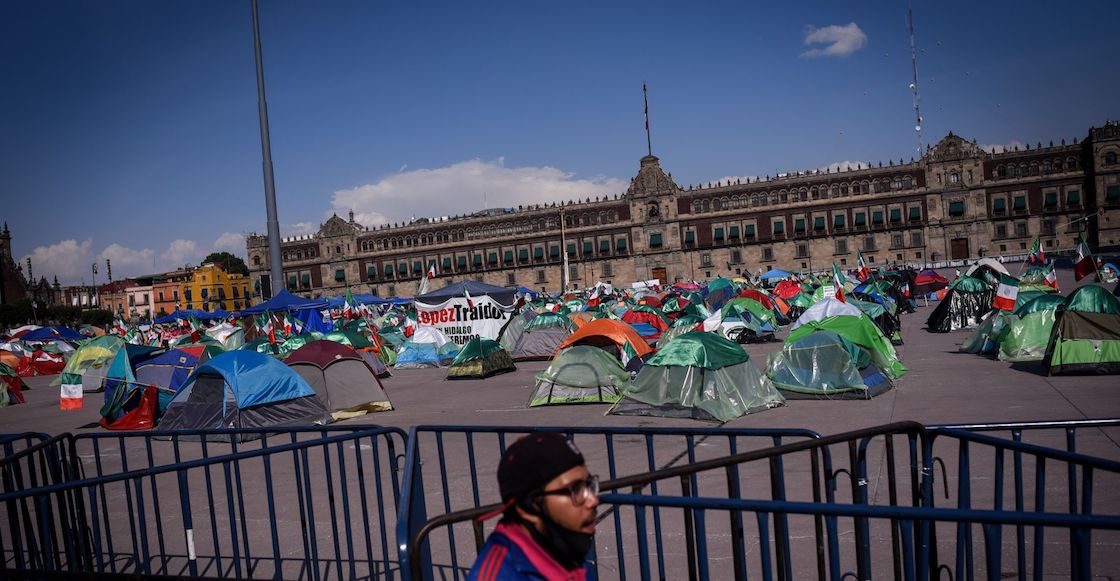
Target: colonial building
(211,288)
(956,202)
(13,283)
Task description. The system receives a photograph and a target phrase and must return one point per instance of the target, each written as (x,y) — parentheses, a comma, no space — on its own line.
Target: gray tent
(541,337)
(341,378)
(580,374)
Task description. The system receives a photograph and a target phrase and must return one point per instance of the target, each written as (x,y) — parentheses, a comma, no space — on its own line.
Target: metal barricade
(307,503)
(895,523)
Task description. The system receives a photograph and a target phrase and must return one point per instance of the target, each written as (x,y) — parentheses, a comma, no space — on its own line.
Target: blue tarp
(313,321)
(503,295)
(361,299)
(284,301)
(775,273)
(528,291)
(197,313)
(253,378)
(53,334)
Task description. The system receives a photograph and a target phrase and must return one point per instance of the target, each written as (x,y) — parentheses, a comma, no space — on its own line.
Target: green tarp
(862,332)
(699,349)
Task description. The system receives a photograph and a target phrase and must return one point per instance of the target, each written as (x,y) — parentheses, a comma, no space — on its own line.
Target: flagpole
(563,248)
(645,98)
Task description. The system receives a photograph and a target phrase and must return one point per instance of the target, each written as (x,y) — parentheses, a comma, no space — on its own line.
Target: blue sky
(130,128)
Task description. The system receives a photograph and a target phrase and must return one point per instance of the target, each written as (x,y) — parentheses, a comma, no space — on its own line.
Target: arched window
(907,182)
(1034,168)
(865,187)
(1058,165)
(778,198)
(898,183)
(706,205)
(1001,171)
(723,203)
(256,261)
(696,206)
(1110,158)
(954,178)
(1071,163)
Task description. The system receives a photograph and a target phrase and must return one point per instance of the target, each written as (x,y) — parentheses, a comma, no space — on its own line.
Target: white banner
(462,323)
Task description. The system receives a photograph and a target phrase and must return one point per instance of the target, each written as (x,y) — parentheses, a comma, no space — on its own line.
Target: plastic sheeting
(1027,336)
(720,394)
(821,363)
(960,310)
(581,374)
(825,308)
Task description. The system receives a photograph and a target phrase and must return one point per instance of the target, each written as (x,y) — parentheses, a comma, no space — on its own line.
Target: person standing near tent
(548,513)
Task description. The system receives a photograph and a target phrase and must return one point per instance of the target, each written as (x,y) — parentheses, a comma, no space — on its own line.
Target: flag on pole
(1085,264)
(349,307)
(839,280)
(467,294)
(1051,276)
(1036,255)
(264,325)
(864,272)
(292,325)
(1006,293)
(71,393)
(594,300)
(426,280)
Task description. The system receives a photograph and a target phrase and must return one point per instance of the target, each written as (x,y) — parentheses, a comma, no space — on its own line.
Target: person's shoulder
(500,560)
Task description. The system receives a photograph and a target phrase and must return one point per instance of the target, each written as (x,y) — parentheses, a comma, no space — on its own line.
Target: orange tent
(607,332)
(581,318)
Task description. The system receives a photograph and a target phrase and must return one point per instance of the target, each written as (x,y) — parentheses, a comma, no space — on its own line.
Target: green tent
(513,328)
(87,366)
(673,332)
(825,365)
(352,338)
(1028,332)
(861,331)
(580,374)
(735,308)
(701,376)
(480,358)
(1086,334)
(986,339)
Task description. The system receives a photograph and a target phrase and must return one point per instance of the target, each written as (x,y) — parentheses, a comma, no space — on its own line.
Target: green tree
(229,263)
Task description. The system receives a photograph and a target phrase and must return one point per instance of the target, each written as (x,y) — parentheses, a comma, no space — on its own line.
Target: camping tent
(45,334)
(701,376)
(11,386)
(611,335)
(861,331)
(480,358)
(427,347)
(466,309)
(825,365)
(580,374)
(341,378)
(1028,333)
(965,304)
(243,389)
(1086,334)
(540,337)
(825,308)
(88,365)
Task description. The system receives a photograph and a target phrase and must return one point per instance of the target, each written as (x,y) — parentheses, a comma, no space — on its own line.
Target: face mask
(569,548)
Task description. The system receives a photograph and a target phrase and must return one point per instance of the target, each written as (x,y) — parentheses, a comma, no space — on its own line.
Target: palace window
(779,227)
(689,238)
(733,233)
(719,235)
(869,243)
(802,250)
(999,206)
(841,246)
(538,253)
(838,221)
(956,208)
(896,215)
(915,239)
(799,225)
(915,213)
(877,218)
(340,275)
(1050,199)
(818,223)
(748,231)
(767,254)
(620,245)
(705,260)
(371,271)
(1073,198)
(655,240)
(1112,195)
(860,219)
(1019,204)
(607,270)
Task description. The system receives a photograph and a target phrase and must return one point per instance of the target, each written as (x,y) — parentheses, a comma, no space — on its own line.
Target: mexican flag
(264,325)
(864,272)
(839,280)
(628,353)
(1085,264)
(292,325)
(1051,276)
(71,394)
(1007,292)
(349,306)
(1036,255)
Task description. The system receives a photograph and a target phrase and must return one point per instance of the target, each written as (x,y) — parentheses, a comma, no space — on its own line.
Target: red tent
(758,296)
(787,289)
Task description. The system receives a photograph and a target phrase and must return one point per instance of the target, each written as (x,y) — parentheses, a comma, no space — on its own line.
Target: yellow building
(210,288)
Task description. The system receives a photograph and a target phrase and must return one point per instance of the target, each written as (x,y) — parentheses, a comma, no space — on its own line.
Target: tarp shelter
(580,374)
(54,333)
(540,337)
(341,378)
(1028,333)
(700,376)
(825,365)
(244,389)
(427,347)
(479,359)
(11,386)
(929,281)
(461,319)
(284,302)
(964,306)
(1086,334)
(774,274)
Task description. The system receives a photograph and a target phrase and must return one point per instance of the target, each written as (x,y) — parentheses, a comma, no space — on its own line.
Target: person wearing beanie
(548,513)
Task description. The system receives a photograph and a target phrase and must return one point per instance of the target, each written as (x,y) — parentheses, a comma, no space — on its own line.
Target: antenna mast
(914,79)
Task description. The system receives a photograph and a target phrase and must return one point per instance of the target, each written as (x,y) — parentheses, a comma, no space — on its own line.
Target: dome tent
(861,331)
(1086,334)
(243,389)
(825,365)
(427,347)
(541,337)
(1028,334)
(341,377)
(701,376)
(581,374)
(480,358)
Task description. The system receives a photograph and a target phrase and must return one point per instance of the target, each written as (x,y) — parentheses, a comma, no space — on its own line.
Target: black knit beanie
(533,461)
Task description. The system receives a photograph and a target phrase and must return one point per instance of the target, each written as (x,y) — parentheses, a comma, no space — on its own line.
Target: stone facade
(956,202)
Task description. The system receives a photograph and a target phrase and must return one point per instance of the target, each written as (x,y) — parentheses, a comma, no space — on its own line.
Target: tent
(427,347)
(929,281)
(503,295)
(284,301)
(480,358)
(988,270)
(88,365)
(861,331)
(1086,334)
(964,306)
(825,365)
(513,329)
(341,378)
(11,386)
(986,338)
(244,389)
(825,308)
(580,374)
(45,334)
(700,376)
(540,337)
(129,403)
(774,274)
(611,335)
(1028,333)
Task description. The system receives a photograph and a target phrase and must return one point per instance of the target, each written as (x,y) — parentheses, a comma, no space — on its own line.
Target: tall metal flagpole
(564,249)
(645,98)
(276,269)
(914,78)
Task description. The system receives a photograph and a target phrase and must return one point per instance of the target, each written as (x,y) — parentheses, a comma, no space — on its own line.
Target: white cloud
(1002,147)
(128,261)
(69,260)
(466,187)
(840,40)
(230,242)
(298,229)
(182,252)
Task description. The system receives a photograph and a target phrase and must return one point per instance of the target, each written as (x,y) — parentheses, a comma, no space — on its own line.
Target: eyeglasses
(579,491)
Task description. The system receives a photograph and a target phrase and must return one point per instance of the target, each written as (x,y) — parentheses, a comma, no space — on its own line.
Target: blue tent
(243,389)
(503,295)
(284,301)
(775,273)
(196,313)
(528,291)
(361,299)
(54,334)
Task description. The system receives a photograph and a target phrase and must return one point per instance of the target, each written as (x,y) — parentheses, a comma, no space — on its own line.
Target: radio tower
(914,79)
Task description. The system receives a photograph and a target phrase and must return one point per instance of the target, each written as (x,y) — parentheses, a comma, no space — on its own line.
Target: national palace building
(956,202)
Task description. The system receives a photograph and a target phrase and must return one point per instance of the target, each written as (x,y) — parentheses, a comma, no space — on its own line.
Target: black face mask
(569,548)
